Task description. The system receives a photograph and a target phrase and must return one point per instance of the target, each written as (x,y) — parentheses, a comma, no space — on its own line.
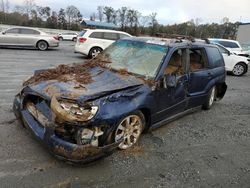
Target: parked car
(237,65)
(93,41)
(231,45)
(85,111)
(68,36)
(27,37)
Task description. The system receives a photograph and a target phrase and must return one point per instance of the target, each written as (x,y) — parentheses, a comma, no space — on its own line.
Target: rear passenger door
(28,37)
(200,74)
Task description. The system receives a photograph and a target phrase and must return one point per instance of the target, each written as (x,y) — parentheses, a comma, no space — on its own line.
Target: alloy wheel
(130,129)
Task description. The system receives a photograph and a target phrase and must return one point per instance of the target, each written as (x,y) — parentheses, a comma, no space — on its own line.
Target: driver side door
(10,37)
(172,100)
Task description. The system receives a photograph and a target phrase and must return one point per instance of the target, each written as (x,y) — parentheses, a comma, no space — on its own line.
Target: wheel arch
(147,116)
(95,47)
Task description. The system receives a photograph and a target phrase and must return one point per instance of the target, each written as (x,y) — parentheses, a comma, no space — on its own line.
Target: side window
(111,36)
(29,32)
(198,59)
(97,35)
(12,31)
(122,36)
(215,57)
(176,65)
(228,44)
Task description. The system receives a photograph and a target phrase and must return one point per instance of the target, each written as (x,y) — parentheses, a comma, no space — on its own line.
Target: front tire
(239,69)
(42,45)
(210,99)
(129,128)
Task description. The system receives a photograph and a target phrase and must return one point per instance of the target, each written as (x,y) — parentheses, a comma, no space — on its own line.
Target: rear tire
(239,69)
(60,39)
(94,52)
(210,99)
(74,39)
(42,45)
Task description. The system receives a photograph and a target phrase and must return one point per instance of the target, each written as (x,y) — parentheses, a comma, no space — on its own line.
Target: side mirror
(229,53)
(169,81)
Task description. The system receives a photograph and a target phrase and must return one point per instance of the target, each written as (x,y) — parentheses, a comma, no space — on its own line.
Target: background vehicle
(68,36)
(234,63)
(163,80)
(231,45)
(27,37)
(91,42)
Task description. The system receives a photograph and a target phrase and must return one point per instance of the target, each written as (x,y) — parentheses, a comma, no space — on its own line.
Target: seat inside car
(175,64)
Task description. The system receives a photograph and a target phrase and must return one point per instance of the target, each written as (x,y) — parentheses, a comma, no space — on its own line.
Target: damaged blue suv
(83,112)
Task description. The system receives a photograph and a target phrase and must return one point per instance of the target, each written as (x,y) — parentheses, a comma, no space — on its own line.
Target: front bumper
(58,147)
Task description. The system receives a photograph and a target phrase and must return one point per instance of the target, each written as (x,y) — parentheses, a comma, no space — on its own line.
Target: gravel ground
(203,149)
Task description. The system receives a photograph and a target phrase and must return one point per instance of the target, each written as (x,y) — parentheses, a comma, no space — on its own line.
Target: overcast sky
(168,11)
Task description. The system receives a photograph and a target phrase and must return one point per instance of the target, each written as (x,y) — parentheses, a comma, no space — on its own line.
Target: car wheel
(129,128)
(239,69)
(74,39)
(60,39)
(95,52)
(42,45)
(210,99)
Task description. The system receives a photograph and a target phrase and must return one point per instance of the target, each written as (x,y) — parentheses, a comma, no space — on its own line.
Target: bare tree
(73,14)
(28,6)
(7,6)
(108,11)
(100,13)
(92,17)
(122,12)
(2,6)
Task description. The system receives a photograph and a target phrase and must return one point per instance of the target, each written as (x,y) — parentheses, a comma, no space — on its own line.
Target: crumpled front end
(58,134)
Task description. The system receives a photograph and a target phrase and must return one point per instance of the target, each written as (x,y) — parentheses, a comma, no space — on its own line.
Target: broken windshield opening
(135,57)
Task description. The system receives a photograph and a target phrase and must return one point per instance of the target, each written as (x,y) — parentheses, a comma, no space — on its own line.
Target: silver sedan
(27,37)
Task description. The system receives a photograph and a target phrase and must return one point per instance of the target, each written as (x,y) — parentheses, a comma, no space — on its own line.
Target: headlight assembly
(67,111)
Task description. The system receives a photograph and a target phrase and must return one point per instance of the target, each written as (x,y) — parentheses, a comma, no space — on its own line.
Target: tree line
(129,20)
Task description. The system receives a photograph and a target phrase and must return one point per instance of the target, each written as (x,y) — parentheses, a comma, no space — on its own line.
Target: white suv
(91,42)
(231,45)
(68,36)
(234,63)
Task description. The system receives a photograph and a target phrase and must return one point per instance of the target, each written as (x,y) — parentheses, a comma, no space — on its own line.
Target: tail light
(56,37)
(82,40)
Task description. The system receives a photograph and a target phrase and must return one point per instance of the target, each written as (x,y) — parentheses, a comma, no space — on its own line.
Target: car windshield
(135,57)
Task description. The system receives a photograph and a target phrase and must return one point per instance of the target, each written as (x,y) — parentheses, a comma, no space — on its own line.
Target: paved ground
(204,149)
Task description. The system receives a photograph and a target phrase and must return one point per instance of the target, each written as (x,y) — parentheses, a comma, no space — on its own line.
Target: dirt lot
(204,149)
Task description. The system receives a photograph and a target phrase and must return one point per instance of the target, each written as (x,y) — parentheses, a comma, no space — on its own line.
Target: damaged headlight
(69,111)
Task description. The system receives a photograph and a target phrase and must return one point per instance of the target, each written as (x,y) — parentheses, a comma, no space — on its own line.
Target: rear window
(82,33)
(110,36)
(122,36)
(228,44)
(97,35)
(215,57)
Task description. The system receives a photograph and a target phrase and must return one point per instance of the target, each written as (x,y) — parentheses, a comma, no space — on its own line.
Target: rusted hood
(104,82)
